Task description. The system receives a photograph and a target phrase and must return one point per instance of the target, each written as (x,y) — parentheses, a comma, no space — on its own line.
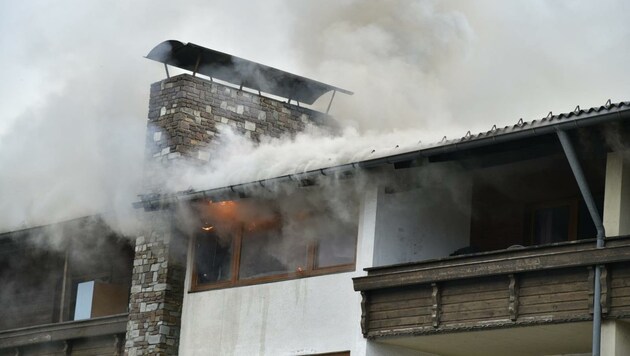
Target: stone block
(155,339)
(164,330)
(250,126)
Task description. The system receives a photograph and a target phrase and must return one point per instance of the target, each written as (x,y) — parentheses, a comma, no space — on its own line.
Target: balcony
(103,335)
(529,286)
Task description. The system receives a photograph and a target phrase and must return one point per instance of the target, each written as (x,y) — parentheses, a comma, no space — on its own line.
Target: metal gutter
(521,131)
(569,151)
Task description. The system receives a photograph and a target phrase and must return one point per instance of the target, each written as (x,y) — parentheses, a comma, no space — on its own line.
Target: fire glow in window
(254,241)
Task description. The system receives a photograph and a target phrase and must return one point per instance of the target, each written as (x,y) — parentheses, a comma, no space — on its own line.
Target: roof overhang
(610,112)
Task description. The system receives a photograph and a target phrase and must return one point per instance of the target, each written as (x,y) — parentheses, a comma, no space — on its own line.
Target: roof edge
(590,117)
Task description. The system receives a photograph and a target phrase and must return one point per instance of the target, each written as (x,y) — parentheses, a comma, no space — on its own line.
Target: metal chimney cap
(239,71)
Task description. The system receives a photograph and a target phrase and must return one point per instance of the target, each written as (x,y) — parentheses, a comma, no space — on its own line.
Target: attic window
(246,243)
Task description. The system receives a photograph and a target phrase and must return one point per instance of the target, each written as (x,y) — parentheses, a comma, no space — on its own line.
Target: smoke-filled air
(75,85)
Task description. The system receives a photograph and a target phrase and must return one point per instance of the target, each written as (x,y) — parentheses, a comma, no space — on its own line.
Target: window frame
(234,281)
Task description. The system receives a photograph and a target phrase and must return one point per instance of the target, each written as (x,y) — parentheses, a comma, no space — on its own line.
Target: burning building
(511,241)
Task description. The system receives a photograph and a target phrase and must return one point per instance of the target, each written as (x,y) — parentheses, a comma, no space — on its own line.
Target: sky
(75,84)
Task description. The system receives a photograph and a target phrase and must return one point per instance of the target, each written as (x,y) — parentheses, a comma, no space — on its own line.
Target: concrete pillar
(617,195)
(615,338)
(367,225)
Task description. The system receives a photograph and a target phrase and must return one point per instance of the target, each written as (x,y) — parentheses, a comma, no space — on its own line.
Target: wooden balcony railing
(526,286)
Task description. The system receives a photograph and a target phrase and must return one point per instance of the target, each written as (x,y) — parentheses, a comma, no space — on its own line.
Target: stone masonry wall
(186,112)
(157,289)
(185,117)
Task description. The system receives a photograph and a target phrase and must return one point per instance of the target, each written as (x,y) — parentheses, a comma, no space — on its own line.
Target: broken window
(250,242)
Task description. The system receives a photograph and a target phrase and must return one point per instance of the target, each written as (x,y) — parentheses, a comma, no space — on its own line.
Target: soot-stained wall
(427,222)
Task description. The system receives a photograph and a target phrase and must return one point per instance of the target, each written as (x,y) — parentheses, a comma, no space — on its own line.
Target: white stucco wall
(310,315)
(615,338)
(296,317)
(617,195)
(423,223)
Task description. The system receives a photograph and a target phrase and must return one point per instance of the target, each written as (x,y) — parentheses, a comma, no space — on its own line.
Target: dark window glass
(586,228)
(213,258)
(336,243)
(551,225)
(265,252)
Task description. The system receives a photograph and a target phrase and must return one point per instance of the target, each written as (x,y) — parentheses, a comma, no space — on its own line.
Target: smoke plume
(76,90)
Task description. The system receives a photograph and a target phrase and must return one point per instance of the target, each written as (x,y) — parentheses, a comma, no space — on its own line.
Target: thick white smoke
(239,160)
(75,89)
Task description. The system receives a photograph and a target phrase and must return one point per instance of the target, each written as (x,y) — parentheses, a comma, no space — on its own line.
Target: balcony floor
(570,338)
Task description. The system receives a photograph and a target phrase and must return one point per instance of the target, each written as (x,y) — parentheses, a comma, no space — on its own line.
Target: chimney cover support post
(331,100)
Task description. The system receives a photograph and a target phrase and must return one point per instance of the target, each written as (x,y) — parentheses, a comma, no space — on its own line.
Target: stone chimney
(186,113)
(185,116)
